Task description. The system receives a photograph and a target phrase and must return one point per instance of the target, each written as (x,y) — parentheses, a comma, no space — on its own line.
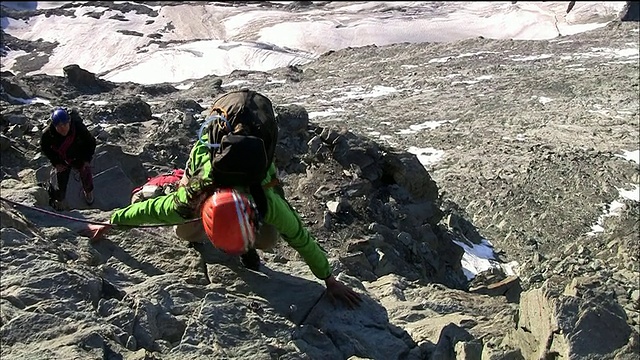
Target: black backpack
(243,132)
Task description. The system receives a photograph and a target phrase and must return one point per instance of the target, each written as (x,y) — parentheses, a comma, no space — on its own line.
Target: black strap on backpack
(260,199)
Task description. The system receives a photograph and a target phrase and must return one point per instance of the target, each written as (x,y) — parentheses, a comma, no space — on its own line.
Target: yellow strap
(272,183)
(220,111)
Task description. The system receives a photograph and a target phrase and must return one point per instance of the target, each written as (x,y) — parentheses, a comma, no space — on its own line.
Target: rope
(76,173)
(88,221)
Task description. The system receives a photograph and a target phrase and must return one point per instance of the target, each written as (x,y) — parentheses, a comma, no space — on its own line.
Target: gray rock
(529,177)
(551,320)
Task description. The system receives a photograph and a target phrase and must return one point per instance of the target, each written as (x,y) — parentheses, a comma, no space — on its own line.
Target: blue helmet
(59,116)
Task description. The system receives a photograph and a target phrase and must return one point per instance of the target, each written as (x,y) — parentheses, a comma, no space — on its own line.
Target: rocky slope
(531,135)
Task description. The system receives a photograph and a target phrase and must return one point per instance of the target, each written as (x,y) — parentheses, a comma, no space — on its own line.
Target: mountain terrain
(398,158)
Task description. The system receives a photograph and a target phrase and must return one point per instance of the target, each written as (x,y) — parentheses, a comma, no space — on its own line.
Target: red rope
(56,214)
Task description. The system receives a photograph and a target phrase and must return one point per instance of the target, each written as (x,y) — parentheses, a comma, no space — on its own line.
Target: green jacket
(161,210)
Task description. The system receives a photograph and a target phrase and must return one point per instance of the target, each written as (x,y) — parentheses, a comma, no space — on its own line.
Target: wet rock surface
(530,137)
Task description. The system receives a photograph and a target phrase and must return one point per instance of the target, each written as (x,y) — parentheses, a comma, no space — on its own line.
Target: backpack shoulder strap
(260,198)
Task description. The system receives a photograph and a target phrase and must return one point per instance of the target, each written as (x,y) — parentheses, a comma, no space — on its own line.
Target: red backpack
(160,184)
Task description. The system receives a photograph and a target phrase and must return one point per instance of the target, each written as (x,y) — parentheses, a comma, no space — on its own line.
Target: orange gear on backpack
(228,218)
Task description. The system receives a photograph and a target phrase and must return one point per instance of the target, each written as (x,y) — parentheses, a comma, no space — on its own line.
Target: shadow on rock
(334,332)
(108,249)
(323,330)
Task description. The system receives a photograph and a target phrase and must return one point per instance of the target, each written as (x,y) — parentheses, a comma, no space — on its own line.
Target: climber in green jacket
(199,197)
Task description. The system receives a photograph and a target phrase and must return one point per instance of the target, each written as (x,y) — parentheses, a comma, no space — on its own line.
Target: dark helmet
(59,116)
